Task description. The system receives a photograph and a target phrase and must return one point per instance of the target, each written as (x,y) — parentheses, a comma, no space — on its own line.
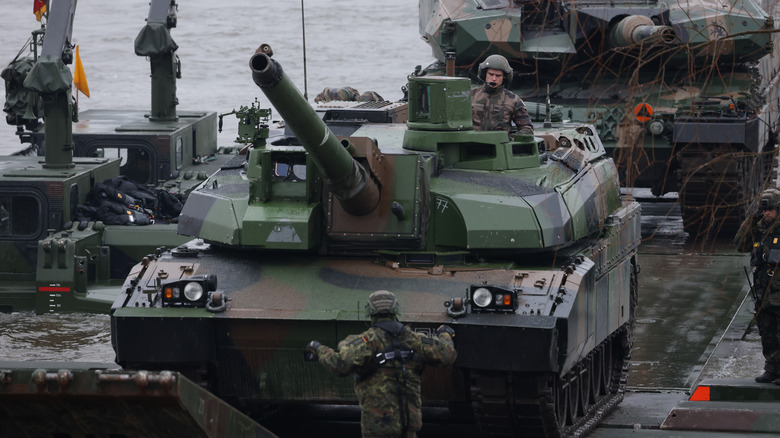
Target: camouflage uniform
(494,109)
(347,94)
(763,242)
(389,395)
(343,94)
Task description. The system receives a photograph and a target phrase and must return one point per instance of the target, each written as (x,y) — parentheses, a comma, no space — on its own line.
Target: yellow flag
(79,79)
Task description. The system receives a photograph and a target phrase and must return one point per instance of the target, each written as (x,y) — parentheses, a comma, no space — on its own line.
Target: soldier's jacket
(389,397)
(763,242)
(343,94)
(494,109)
(347,94)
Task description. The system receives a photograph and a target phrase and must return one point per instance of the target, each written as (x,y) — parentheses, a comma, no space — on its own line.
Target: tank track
(510,404)
(718,184)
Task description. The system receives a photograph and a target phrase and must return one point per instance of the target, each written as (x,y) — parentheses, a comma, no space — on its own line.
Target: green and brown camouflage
(524,247)
(684,95)
(48,261)
(93,400)
(378,391)
(346,94)
(342,94)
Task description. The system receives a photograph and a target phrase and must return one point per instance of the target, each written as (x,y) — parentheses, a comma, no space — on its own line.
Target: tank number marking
(442,204)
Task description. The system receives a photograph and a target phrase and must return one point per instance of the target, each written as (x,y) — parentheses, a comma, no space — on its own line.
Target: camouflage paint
(683,96)
(457,209)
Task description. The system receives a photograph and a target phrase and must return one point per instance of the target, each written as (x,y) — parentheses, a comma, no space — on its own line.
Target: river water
(363,44)
(366,45)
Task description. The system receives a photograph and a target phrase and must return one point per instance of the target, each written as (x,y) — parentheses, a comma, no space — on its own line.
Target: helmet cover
(382,302)
(770,198)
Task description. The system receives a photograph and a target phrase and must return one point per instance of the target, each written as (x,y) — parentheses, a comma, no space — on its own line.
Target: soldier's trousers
(768,323)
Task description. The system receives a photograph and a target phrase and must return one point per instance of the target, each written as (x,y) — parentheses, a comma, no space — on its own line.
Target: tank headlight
(485,298)
(482,297)
(193,291)
(656,127)
(171,292)
(188,292)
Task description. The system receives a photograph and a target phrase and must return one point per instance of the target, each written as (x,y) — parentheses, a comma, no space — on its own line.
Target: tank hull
(250,351)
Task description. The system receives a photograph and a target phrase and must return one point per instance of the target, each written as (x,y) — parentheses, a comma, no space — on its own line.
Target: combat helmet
(770,198)
(382,302)
(497,62)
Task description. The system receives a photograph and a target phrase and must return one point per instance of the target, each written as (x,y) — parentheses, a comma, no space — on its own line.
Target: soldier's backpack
(120,201)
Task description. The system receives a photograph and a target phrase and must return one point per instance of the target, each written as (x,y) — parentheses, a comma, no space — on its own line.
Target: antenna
(305,85)
(547,121)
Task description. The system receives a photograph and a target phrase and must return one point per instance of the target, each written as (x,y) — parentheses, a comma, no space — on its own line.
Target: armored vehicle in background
(524,246)
(684,96)
(49,261)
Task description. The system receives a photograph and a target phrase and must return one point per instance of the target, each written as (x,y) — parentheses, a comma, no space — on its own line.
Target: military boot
(767,377)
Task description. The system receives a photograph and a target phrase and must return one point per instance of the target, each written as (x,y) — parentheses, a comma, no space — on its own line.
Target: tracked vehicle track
(719,184)
(544,405)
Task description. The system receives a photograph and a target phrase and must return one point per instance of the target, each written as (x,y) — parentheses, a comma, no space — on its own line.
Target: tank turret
(683,96)
(349,180)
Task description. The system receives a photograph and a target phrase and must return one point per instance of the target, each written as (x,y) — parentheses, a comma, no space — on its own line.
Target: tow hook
(217,302)
(456,307)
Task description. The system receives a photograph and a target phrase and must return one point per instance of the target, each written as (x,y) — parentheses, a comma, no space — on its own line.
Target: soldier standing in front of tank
(760,234)
(493,107)
(387,360)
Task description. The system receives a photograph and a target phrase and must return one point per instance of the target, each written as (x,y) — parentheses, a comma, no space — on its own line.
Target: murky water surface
(67,337)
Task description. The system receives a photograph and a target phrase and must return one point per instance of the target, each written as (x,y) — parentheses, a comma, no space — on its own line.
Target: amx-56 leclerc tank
(525,247)
(684,95)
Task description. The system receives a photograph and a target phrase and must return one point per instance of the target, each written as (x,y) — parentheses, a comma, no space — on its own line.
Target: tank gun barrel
(350,182)
(637,29)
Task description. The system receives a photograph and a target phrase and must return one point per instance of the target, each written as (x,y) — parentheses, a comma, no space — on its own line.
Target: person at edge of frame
(760,235)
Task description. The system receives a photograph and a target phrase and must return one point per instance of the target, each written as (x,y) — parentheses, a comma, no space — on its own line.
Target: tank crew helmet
(770,198)
(382,302)
(497,62)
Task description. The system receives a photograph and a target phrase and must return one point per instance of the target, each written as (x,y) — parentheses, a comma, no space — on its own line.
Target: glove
(445,329)
(310,353)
